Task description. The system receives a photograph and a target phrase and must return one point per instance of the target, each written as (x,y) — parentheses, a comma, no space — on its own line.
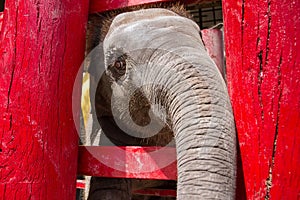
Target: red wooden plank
(100,5)
(156,192)
(128,162)
(263,72)
(42,47)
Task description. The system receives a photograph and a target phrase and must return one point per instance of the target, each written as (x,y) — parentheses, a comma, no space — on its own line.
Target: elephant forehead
(139,29)
(129,17)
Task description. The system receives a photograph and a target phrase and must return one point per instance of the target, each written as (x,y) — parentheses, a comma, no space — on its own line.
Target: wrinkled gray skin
(168,69)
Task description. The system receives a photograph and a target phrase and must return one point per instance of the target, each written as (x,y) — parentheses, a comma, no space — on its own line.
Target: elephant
(160,87)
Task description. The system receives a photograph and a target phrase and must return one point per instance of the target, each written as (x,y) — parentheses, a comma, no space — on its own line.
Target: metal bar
(80,184)
(200,19)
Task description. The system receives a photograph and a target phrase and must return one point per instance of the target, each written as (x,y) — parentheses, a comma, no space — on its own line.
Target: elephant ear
(95,59)
(95,66)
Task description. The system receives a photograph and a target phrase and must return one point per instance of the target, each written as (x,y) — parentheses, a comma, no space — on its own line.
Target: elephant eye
(120,64)
(118,67)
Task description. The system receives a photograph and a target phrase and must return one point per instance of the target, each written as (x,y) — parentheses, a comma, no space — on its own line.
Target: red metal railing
(126,162)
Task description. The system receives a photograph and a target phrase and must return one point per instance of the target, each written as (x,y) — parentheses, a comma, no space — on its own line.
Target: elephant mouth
(141,122)
(143,112)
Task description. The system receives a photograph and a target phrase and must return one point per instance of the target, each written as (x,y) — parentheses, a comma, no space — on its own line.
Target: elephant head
(160,79)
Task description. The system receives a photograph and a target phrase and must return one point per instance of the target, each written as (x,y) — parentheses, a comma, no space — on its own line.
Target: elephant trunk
(205,140)
(195,99)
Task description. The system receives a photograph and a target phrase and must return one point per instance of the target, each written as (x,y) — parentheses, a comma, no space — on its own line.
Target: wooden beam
(263,70)
(128,162)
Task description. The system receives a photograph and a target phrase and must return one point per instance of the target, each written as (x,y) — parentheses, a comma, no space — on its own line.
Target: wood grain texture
(42,47)
(263,73)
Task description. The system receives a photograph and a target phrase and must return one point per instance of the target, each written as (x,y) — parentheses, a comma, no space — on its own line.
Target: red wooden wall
(263,72)
(41,49)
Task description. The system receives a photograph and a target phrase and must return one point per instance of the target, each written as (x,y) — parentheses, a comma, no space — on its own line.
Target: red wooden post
(42,47)
(263,72)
